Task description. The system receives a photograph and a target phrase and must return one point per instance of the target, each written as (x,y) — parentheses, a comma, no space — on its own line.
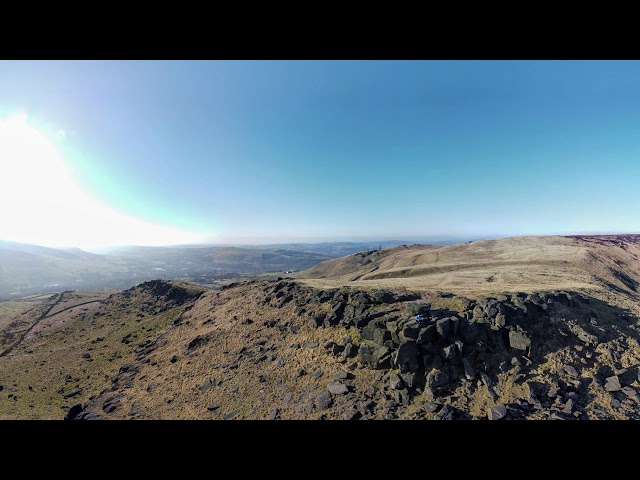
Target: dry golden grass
(219,316)
(37,368)
(487,267)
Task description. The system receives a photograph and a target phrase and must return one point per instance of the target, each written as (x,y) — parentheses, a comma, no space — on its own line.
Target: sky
(98,153)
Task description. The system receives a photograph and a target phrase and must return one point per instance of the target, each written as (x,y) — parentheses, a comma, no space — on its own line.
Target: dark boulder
(232,415)
(338,309)
(337,349)
(382,296)
(631,393)
(443,327)
(318,319)
(584,336)
(407,296)
(447,413)
(455,324)
(437,378)
(410,331)
(418,308)
(197,342)
(73,393)
(349,312)
(628,375)
(468,369)
(452,353)
(426,334)
(360,298)
(377,357)
(408,357)
(112,403)
(331,320)
(368,329)
(206,385)
(491,311)
(381,336)
(392,326)
(85,415)
(486,380)
(376,331)
(350,350)
(73,412)
(564,298)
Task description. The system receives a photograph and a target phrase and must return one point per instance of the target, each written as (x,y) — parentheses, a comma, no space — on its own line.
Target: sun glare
(42,204)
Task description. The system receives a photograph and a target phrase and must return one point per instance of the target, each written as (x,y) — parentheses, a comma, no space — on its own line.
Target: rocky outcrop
(441,350)
(484,358)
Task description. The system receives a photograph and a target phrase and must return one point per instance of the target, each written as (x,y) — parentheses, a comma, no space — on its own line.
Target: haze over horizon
(103,153)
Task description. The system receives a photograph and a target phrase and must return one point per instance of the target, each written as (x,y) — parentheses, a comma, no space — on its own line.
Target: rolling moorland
(515,328)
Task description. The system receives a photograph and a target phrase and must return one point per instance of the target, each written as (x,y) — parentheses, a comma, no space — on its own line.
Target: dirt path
(68,308)
(26,332)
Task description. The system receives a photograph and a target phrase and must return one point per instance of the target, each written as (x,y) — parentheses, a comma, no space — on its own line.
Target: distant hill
(509,264)
(208,259)
(29,269)
(337,249)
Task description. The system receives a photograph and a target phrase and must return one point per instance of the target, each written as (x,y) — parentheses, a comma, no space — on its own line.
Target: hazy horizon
(246,242)
(112,153)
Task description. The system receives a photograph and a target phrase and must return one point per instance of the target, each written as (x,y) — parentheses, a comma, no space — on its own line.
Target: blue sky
(264,151)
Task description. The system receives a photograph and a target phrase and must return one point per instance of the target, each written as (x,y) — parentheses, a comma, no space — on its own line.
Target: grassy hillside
(345,348)
(493,266)
(72,353)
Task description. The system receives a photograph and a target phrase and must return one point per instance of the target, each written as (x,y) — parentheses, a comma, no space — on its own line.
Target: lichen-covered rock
(519,340)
